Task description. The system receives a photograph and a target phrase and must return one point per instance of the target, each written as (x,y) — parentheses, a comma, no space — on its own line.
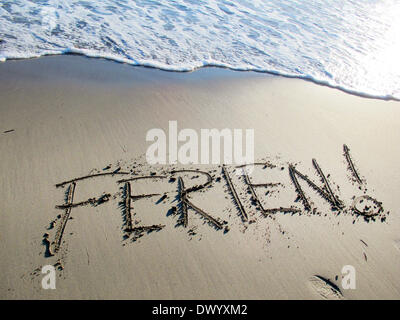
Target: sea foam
(349,45)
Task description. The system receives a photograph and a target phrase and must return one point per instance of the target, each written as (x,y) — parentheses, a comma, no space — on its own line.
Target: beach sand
(65,117)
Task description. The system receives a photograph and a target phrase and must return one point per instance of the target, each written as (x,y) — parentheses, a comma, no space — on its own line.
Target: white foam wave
(347,45)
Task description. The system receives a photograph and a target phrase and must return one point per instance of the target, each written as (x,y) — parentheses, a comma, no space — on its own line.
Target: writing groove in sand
(181,186)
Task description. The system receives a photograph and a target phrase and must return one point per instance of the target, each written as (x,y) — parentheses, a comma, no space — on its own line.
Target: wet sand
(77,192)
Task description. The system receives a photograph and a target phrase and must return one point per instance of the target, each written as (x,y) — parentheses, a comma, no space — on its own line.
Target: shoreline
(73,134)
(215,66)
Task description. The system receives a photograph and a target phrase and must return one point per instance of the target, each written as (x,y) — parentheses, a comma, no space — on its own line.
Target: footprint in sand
(325,288)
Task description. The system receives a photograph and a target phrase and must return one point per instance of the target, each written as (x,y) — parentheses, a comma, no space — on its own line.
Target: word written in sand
(363,205)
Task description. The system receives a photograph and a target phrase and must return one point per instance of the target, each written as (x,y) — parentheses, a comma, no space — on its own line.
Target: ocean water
(348,44)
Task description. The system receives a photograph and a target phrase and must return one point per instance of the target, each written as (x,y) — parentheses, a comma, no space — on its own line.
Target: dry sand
(71,117)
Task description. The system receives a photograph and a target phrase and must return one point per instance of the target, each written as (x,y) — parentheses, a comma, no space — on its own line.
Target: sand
(66,117)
